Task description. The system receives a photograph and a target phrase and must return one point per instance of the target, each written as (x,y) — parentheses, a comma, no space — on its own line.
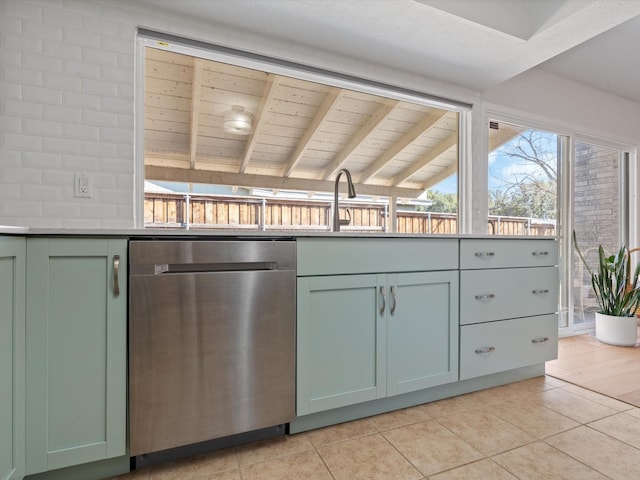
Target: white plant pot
(621,331)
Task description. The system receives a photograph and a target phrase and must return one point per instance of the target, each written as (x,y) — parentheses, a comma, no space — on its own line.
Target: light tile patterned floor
(543,428)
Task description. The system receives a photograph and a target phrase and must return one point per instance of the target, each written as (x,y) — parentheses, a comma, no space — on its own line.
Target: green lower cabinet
(76,352)
(422,331)
(12,357)
(365,337)
(341,342)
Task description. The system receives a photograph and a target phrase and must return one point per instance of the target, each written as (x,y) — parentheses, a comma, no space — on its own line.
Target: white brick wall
(66,106)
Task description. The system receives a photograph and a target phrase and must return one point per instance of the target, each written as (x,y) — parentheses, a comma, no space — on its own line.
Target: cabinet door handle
(482,350)
(539,254)
(540,292)
(384,300)
(485,254)
(116,269)
(393,294)
(540,340)
(488,296)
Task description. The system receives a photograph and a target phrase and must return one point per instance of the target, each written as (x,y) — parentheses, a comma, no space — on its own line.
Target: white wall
(569,104)
(67,73)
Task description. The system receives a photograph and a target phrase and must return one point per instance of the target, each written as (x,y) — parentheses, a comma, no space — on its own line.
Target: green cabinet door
(422,330)
(12,326)
(76,351)
(341,344)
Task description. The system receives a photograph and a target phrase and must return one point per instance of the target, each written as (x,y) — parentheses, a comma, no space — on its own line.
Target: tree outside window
(523,184)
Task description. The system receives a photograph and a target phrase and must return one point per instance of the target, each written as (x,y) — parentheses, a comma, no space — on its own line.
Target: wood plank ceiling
(302,132)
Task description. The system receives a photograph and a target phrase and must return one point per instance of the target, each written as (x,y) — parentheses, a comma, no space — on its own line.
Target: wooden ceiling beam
(196,97)
(403,142)
(506,132)
(334,95)
(446,173)
(186,175)
(378,116)
(434,153)
(265,100)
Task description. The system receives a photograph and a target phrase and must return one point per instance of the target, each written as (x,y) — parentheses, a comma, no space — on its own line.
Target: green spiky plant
(615,287)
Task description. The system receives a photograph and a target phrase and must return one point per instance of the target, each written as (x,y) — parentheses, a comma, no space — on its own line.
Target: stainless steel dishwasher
(211,340)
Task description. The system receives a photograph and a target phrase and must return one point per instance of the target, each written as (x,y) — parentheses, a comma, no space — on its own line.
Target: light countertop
(168,233)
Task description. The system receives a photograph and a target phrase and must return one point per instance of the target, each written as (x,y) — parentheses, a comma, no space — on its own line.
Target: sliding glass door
(542,183)
(599,206)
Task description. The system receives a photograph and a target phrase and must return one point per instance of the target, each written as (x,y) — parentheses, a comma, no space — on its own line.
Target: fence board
(169,210)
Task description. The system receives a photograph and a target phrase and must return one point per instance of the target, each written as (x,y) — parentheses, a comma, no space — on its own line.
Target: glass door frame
(628,226)
(568,136)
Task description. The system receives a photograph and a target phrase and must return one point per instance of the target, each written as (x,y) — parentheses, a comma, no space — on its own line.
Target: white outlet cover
(82,185)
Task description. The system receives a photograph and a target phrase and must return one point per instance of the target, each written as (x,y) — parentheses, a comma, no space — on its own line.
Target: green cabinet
(341,342)
(76,351)
(12,357)
(422,330)
(508,304)
(364,337)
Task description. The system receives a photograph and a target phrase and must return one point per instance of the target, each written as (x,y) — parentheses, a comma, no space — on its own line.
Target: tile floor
(542,428)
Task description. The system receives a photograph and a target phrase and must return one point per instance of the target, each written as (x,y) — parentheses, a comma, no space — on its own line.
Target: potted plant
(618,296)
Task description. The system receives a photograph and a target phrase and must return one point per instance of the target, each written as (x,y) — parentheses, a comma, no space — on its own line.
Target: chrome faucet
(351,193)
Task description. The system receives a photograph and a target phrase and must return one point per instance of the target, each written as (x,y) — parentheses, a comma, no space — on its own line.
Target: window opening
(232,147)
(523,180)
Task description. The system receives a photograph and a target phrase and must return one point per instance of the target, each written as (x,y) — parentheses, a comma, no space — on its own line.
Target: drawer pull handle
(393,294)
(540,292)
(488,296)
(482,350)
(485,254)
(540,340)
(116,269)
(539,254)
(384,300)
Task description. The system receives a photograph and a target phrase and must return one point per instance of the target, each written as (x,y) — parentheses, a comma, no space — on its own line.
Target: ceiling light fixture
(237,121)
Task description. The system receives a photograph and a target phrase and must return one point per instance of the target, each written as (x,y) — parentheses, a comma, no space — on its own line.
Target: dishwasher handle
(169,268)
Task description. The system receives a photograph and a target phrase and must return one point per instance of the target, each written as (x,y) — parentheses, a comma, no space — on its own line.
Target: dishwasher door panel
(211,355)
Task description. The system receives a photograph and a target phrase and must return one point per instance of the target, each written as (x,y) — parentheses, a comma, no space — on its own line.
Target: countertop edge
(169,233)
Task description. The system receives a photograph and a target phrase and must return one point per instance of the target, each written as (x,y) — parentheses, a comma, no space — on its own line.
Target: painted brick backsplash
(10,125)
(21,75)
(101,119)
(41,128)
(66,106)
(38,29)
(41,95)
(42,160)
(62,114)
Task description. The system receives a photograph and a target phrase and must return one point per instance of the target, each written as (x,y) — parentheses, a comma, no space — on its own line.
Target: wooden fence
(238,213)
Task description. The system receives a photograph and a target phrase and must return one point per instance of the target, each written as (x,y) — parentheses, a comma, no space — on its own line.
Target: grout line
(588,425)
(577,459)
(323,462)
(402,454)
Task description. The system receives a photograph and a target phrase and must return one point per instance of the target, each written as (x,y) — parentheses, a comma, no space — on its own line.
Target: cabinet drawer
(330,255)
(488,295)
(496,253)
(497,346)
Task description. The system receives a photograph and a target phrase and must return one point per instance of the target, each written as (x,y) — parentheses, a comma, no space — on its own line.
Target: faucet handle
(346,221)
